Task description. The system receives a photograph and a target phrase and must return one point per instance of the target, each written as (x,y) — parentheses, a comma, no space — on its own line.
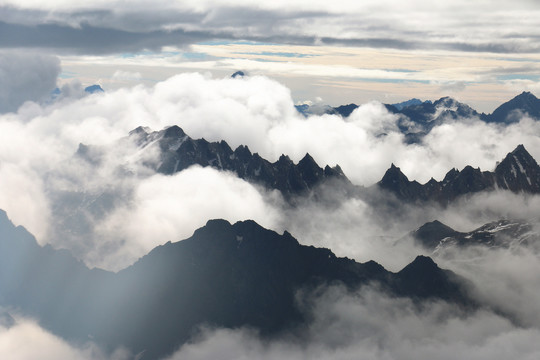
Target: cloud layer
(103,204)
(63,199)
(373,326)
(111,27)
(26,77)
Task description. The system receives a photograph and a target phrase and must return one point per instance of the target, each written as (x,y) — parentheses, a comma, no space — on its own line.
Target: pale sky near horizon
(482,53)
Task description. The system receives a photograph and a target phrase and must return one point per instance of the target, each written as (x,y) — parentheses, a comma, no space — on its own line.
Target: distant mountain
(57,92)
(92,89)
(511,111)
(414,101)
(438,237)
(418,118)
(431,113)
(224,275)
(518,172)
(178,151)
(238,74)
(346,110)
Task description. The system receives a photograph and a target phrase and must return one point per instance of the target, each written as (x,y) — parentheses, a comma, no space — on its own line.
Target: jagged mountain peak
(345,110)
(173,131)
(521,156)
(285,159)
(431,233)
(307,159)
(420,265)
(394,175)
(423,273)
(433,225)
(526,96)
(503,233)
(230,276)
(177,151)
(446,101)
(407,103)
(518,172)
(521,152)
(510,111)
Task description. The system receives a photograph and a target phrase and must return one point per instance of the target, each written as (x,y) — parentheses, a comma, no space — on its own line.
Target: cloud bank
(375,327)
(110,27)
(26,340)
(103,204)
(62,199)
(26,77)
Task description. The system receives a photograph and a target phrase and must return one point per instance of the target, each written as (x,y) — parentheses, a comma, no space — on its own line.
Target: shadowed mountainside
(224,275)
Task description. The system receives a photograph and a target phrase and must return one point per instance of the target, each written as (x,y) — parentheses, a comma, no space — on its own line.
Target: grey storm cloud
(91,39)
(25,77)
(114,28)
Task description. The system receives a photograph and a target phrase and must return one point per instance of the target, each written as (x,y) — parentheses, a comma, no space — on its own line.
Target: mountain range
(517,172)
(505,233)
(226,275)
(417,118)
(242,275)
(177,151)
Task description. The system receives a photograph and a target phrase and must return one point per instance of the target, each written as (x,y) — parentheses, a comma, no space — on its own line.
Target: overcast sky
(482,52)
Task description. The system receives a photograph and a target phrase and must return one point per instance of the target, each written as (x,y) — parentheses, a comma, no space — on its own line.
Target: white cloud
(37,143)
(26,340)
(37,167)
(124,76)
(373,326)
(170,208)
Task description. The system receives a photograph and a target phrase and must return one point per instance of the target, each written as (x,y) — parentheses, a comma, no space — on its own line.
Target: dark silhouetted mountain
(511,111)
(93,89)
(397,183)
(423,279)
(239,74)
(518,172)
(346,110)
(48,284)
(432,233)
(432,113)
(224,275)
(438,237)
(418,118)
(178,152)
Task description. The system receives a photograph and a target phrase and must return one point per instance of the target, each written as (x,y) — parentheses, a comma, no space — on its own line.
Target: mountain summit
(511,111)
(177,151)
(518,172)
